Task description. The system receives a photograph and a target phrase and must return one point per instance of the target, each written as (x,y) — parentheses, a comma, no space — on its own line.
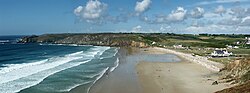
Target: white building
(221,53)
(153,43)
(178,46)
(248,40)
(231,47)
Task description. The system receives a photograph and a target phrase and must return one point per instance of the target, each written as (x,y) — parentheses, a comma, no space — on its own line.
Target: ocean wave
(99,77)
(69,89)
(116,65)
(26,82)
(63,44)
(12,67)
(116,51)
(32,69)
(92,75)
(4,41)
(22,76)
(76,53)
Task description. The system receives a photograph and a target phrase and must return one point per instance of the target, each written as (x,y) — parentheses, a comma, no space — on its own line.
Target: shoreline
(177,77)
(137,73)
(121,78)
(203,61)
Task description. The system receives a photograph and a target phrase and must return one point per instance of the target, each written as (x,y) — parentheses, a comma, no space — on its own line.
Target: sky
(27,17)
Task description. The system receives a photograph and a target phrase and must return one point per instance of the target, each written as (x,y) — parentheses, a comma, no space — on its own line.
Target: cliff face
(132,40)
(237,71)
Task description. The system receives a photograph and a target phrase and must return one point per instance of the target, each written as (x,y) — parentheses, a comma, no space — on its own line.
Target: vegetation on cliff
(237,71)
(141,39)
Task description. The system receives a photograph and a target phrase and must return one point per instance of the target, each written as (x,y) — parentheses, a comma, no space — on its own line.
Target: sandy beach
(178,77)
(157,70)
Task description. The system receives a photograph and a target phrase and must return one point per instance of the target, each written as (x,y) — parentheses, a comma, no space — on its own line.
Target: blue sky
(25,17)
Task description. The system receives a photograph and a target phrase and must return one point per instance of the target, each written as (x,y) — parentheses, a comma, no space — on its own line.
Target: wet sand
(122,80)
(151,70)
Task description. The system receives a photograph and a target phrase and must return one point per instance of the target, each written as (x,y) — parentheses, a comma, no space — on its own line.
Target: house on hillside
(178,46)
(232,47)
(153,43)
(248,40)
(221,53)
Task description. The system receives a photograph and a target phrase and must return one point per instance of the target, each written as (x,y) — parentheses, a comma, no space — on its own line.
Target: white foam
(4,41)
(69,89)
(26,75)
(99,77)
(92,75)
(12,67)
(116,65)
(64,44)
(32,69)
(116,51)
(76,53)
(18,85)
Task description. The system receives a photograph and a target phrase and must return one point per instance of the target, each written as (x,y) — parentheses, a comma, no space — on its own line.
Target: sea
(52,68)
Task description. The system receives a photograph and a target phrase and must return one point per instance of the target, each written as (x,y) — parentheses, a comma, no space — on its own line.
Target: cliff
(104,39)
(237,71)
(138,39)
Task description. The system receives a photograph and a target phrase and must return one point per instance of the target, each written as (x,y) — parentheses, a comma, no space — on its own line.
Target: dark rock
(215,83)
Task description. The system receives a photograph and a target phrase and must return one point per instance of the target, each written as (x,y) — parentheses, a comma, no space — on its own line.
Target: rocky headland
(104,39)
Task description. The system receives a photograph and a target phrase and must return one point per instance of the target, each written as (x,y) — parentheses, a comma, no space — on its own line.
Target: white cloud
(164,28)
(240,12)
(236,17)
(219,2)
(197,23)
(92,12)
(78,10)
(198,12)
(195,29)
(142,6)
(94,9)
(234,21)
(245,21)
(205,29)
(218,29)
(137,28)
(210,15)
(178,15)
(220,10)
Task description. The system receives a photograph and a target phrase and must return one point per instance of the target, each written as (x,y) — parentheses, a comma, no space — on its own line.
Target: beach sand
(123,79)
(178,77)
(152,70)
